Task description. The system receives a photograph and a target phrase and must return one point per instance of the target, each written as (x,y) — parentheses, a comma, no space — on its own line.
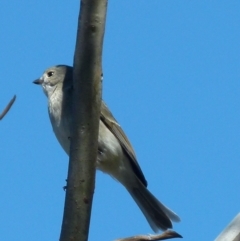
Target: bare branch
(86,112)
(232,231)
(7,108)
(166,235)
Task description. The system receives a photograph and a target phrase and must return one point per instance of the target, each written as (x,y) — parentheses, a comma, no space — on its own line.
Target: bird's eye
(50,73)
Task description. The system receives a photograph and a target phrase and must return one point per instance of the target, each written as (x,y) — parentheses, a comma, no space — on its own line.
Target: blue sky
(171,78)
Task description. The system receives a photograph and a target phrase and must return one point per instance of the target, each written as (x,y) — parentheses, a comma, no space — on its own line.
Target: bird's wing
(108,119)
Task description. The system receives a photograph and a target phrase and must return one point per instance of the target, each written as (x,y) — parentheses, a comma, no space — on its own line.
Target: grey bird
(116,156)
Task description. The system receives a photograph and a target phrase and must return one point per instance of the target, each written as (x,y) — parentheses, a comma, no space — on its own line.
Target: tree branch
(86,112)
(232,231)
(7,108)
(156,237)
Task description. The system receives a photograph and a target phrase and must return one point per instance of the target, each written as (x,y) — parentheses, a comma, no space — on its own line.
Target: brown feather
(108,119)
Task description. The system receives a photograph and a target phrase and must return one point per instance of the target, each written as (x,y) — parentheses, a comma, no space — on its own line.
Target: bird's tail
(157,215)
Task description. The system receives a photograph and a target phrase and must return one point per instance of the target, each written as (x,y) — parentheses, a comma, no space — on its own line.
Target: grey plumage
(116,156)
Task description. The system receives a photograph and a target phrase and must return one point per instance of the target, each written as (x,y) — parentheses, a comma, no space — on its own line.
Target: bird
(115,157)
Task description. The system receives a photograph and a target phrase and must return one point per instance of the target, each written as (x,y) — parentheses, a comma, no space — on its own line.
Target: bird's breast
(60,123)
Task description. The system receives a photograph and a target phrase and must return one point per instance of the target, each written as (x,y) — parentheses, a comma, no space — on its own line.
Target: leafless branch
(166,235)
(86,112)
(7,108)
(232,231)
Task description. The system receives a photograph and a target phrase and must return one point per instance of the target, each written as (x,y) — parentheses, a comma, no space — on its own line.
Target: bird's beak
(38,81)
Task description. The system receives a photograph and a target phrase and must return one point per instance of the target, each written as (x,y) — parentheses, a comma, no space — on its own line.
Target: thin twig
(7,108)
(166,235)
